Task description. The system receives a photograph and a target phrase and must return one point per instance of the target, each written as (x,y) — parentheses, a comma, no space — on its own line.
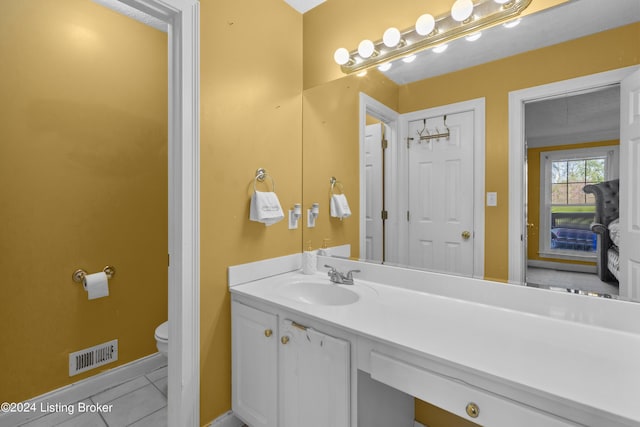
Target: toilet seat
(162,332)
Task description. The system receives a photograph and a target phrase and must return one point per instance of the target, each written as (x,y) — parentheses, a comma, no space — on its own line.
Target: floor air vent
(89,358)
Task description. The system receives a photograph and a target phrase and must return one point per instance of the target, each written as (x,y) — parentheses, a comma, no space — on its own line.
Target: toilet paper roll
(96,285)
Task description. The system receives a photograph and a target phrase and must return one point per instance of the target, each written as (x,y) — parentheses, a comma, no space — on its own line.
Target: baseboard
(87,387)
(579,268)
(226,420)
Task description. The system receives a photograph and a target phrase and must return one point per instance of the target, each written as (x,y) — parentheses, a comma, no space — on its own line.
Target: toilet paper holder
(79,275)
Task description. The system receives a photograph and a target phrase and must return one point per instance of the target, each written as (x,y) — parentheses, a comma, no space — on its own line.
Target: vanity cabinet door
(315,378)
(254,366)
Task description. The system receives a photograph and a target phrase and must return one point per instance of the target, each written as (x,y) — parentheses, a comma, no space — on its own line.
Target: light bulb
(441,48)
(425,24)
(341,56)
(512,24)
(385,67)
(461,10)
(473,37)
(409,59)
(366,49)
(391,37)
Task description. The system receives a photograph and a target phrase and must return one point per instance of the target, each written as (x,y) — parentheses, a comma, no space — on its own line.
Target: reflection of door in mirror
(374,171)
(440,189)
(572,141)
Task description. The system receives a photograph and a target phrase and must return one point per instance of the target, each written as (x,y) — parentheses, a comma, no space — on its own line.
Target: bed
(607,227)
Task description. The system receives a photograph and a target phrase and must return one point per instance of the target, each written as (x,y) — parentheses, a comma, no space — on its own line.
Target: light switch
(492,199)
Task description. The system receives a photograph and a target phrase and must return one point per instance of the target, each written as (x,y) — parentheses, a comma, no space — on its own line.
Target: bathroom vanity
(357,355)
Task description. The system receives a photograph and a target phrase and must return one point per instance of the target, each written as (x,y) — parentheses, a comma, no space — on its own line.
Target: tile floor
(140,402)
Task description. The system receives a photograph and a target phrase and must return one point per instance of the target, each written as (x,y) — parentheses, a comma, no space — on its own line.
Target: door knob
(466,235)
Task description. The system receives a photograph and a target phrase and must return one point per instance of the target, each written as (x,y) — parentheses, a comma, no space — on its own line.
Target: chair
(607,210)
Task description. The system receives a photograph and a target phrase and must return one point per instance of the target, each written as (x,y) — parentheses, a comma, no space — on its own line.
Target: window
(566,212)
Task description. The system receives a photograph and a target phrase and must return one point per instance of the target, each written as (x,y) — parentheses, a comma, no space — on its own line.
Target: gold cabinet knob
(268,333)
(284,339)
(466,235)
(473,410)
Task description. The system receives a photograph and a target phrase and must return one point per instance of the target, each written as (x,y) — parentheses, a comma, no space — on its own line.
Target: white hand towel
(340,206)
(265,208)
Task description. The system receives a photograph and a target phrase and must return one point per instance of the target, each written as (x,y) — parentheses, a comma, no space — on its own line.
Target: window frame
(609,152)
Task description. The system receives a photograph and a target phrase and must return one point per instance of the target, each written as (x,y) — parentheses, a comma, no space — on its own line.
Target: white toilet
(162,338)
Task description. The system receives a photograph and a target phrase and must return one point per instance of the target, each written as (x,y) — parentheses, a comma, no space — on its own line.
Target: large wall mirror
(396,141)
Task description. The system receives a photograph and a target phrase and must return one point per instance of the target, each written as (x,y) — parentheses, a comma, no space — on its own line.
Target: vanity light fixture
(466,18)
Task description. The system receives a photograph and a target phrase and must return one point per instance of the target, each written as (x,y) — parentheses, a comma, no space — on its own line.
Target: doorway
(571,141)
(518,166)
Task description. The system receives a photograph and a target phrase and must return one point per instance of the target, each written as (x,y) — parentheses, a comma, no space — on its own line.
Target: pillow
(614,231)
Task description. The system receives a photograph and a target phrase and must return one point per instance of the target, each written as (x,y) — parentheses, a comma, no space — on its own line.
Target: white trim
(517,190)
(227,419)
(478,107)
(369,105)
(578,268)
(417,424)
(87,387)
(183,18)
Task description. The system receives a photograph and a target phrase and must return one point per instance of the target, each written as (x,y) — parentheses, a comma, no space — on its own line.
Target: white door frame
(370,106)
(517,99)
(183,20)
(478,108)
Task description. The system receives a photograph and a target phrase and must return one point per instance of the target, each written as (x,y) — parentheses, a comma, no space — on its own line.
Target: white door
(441,194)
(315,378)
(254,370)
(630,187)
(374,186)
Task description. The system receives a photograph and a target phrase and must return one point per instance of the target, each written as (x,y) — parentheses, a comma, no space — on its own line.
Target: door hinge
(408,216)
(409,139)
(384,215)
(385,144)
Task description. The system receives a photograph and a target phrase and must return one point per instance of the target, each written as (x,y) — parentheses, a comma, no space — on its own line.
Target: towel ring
(261,174)
(335,183)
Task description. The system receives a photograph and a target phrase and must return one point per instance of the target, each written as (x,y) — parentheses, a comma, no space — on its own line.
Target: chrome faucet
(336,277)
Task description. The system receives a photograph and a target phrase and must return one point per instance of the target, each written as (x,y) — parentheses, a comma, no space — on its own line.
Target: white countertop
(590,365)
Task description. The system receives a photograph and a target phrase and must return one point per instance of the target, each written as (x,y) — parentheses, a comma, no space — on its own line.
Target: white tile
(162,385)
(56,415)
(119,390)
(157,419)
(134,406)
(88,419)
(157,374)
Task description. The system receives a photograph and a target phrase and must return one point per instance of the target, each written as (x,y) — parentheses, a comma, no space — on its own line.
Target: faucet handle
(350,273)
(329,266)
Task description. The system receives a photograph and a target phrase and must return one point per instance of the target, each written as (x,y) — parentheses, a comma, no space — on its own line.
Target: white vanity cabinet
(286,374)
(254,368)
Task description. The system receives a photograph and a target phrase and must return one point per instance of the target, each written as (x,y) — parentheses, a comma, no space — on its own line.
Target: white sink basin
(320,293)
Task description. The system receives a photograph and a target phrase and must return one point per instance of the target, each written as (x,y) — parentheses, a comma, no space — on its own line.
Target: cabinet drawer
(457,397)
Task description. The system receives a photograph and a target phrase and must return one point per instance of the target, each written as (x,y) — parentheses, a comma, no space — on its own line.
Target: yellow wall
(533,196)
(331,148)
(83,173)
(588,55)
(251,100)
